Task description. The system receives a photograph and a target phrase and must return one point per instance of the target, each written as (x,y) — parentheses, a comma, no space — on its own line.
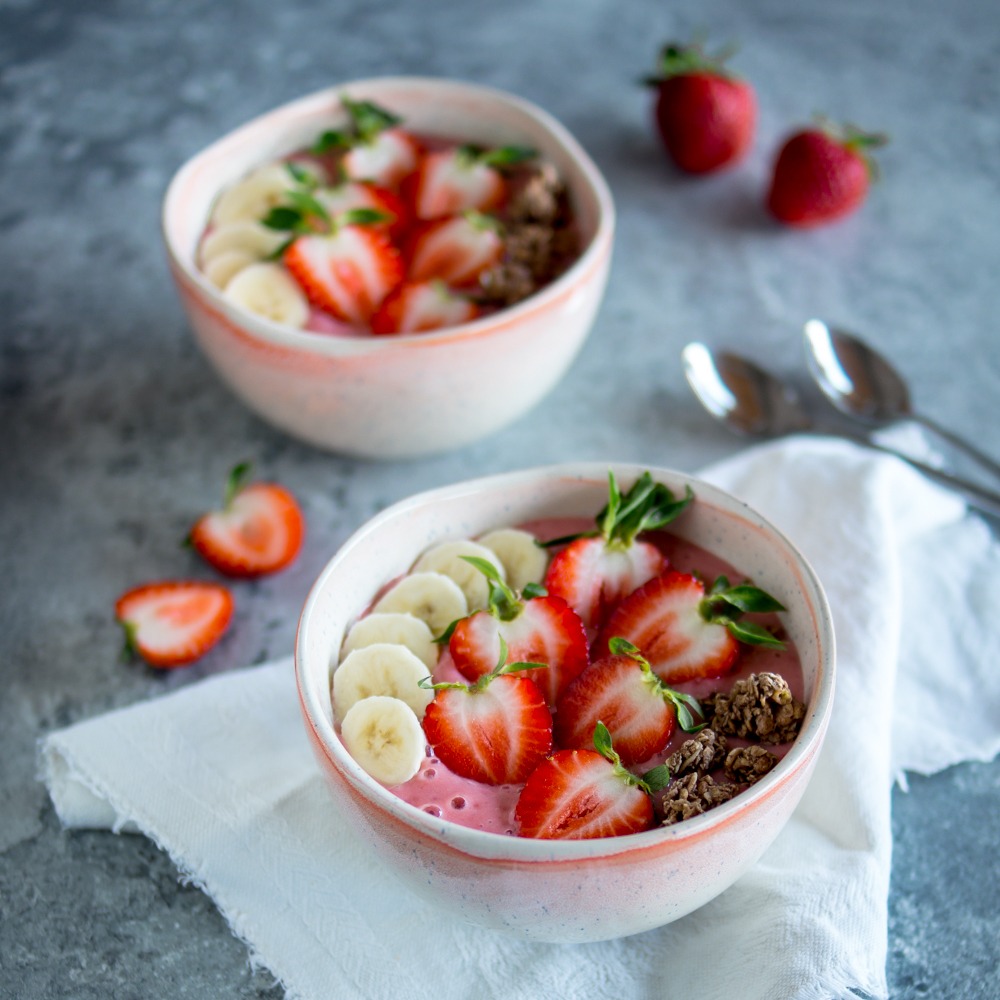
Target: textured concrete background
(114,434)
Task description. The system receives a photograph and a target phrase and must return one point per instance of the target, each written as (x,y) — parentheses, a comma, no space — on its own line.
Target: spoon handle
(971,450)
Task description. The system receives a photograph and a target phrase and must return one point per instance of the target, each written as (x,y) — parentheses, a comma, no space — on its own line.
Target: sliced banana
(524,560)
(382,668)
(401,629)
(270,291)
(254,196)
(432,597)
(248,237)
(384,736)
(447,559)
(222,269)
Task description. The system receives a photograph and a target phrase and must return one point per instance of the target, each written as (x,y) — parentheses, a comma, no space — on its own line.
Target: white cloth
(220,775)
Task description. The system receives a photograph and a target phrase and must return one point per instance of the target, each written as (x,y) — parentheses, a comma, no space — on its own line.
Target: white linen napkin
(220,775)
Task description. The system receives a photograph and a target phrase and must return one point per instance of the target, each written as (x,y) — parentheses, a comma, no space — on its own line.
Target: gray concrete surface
(114,434)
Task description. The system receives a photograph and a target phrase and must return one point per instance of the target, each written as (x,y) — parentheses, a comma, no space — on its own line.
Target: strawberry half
(422,305)
(685,634)
(542,629)
(579,794)
(455,250)
(170,624)
(596,570)
(259,529)
(357,194)
(350,271)
(454,180)
(622,692)
(495,731)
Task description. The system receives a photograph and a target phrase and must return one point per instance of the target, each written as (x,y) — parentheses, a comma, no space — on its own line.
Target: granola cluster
(701,754)
(760,707)
(747,765)
(692,795)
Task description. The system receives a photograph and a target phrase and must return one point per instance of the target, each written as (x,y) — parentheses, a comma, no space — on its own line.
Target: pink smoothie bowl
(569,890)
(394,396)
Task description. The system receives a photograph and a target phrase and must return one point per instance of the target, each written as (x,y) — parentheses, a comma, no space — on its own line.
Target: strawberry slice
(599,568)
(685,634)
(355,194)
(422,305)
(622,692)
(495,731)
(349,271)
(170,624)
(259,529)
(454,180)
(542,629)
(579,794)
(455,250)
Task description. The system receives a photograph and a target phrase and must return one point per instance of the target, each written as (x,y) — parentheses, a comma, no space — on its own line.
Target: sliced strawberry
(455,250)
(349,272)
(355,194)
(454,180)
(172,623)
(495,731)
(684,634)
(384,160)
(579,794)
(258,531)
(422,305)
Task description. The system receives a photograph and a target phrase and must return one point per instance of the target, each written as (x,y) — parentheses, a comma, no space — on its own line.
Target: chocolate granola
(749,764)
(701,754)
(760,707)
(692,795)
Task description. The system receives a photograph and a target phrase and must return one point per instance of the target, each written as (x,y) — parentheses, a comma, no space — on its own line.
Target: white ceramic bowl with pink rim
(562,890)
(405,395)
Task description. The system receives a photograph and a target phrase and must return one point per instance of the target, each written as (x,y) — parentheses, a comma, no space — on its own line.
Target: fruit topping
(256,195)
(452,559)
(381,669)
(415,307)
(524,560)
(432,597)
(760,707)
(496,730)
(579,794)
(455,250)
(384,736)
(749,764)
(264,289)
(706,116)
(402,629)
(693,795)
(170,624)
(704,753)
(623,694)
(356,194)
(596,570)
(532,627)
(822,174)
(259,529)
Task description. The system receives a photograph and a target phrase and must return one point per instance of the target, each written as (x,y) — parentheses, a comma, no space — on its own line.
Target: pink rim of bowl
(398,396)
(561,891)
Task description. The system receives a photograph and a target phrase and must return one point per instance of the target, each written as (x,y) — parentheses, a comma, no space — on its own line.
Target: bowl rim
(314,104)
(493,846)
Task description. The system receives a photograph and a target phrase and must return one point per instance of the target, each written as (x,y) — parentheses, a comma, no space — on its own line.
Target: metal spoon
(864,385)
(755,403)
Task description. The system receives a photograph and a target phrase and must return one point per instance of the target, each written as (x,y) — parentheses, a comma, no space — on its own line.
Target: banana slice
(383,735)
(524,560)
(401,629)
(254,196)
(270,291)
(247,237)
(447,559)
(382,668)
(431,597)
(222,269)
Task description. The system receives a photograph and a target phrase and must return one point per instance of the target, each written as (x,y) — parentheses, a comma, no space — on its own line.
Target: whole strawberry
(706,116)
(822,174)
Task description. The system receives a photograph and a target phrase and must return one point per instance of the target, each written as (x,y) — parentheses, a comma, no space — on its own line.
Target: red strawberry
(594,572)
(705,115)
(170,624)
(821,175)
(422,305)
(258,531)
(455,250)
(579,794)
(495,731)
(684,634)
(348,272)
(622,692)
(540,629)
(455,180)
(352,194)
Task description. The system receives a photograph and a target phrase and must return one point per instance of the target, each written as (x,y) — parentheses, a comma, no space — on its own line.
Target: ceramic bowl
(562,891)
(398,396)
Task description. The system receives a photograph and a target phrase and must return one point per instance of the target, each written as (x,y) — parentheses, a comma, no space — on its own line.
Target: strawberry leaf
(683,60)
(656,778)
(566,539)
(507,155)
(721,584)
(332,140)
(308,206)
(302,176)
(445,637)
(503,601)
(369,119)
(130,649)
(237,479)
(753,635)
(282,217)
(683,704)
(602,743)
(751,599)
(645,507)
(427,683)
(622,647)
(534,590)
(361,217)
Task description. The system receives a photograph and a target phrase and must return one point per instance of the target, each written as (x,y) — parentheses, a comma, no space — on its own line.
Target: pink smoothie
(440,792)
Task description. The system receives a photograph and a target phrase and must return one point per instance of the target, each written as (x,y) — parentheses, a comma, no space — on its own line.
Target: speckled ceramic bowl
(399,396)
(563,891)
